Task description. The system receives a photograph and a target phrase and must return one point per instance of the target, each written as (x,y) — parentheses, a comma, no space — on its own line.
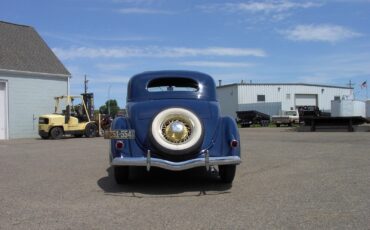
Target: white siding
(28,98)
(278,93)
(228,98)
(347,108)
(3,111)
(284,93)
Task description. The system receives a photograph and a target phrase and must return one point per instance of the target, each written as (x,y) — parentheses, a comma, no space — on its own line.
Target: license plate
(120,134)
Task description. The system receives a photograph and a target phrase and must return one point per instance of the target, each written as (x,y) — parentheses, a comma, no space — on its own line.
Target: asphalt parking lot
(288,180)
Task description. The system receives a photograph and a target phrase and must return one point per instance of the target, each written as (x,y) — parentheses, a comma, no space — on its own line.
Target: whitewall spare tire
(176,131)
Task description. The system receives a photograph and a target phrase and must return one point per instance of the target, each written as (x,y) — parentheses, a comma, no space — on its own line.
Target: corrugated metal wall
(228,99)
(29,97)
(276,93)
(269,108)
(285,94)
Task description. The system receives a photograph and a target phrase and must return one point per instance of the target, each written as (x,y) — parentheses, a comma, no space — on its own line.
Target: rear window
(170,84)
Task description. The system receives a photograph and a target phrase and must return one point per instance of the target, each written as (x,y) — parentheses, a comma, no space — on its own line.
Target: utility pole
(351,85)
(109,99)
(85,84)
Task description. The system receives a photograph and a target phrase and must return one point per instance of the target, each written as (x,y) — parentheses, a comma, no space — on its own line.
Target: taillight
(234,143)
(119,145)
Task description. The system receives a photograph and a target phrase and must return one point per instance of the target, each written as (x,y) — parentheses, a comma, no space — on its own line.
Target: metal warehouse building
(274,98)
(30,77)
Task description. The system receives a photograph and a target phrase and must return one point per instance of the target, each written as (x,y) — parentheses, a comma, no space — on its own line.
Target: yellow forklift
(76,120)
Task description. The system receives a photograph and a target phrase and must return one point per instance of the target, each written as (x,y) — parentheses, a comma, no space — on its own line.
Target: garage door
(305,99)
(3,122)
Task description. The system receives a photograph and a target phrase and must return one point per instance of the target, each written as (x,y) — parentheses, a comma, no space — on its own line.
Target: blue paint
(143,106)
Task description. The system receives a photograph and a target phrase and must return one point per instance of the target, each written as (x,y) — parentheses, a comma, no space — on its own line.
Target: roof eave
(35,73)
(291,84)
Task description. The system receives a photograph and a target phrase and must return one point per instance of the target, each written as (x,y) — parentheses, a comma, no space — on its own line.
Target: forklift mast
(89,102)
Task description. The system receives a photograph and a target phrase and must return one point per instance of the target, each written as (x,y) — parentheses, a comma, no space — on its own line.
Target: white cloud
(325,33)
(269,6)
(142,11)
(154,51)
(79,39)
(261,11)
(216,51)
(216,64)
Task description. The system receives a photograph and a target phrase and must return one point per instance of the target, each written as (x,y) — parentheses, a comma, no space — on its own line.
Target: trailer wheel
(227,173)
(121,174)
(56,133)
(91,130)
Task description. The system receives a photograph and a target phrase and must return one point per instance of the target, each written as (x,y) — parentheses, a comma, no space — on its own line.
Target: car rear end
(174,130)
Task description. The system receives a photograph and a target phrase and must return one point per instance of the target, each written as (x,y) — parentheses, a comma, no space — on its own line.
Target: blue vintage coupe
(173,122)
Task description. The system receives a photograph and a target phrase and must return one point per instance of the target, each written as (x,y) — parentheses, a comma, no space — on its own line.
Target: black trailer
(348,122)
(251,117)
(310,111)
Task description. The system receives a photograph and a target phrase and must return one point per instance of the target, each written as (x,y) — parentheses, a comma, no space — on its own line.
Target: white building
(274,98)
(30,77)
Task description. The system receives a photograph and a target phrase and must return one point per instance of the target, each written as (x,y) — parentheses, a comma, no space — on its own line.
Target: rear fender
(120,123)
(231,132)
(226,132)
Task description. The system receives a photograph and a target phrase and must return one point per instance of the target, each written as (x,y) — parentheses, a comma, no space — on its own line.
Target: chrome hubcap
(176,130)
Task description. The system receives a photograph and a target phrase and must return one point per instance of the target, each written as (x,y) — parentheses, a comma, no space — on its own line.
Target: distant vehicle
(106,122)
(75,119)
(173,122)
(250,117)
(310,111)
(287,118)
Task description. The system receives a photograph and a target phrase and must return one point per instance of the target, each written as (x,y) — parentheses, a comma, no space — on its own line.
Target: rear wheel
(227,173)
(121,174)
(56,133)
(91,130)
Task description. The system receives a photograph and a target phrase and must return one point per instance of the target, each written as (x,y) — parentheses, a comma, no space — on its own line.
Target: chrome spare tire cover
(177,131)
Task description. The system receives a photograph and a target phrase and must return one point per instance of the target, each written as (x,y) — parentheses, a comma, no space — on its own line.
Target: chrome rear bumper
(175,166)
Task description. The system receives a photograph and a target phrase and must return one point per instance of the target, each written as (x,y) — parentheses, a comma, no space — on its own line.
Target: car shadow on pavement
(160,182)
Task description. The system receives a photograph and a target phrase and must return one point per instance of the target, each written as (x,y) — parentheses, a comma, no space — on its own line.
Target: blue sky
(318,42)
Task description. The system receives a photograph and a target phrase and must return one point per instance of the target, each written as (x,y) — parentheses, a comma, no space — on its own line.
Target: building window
(336,98)
(261,98)
(288,96)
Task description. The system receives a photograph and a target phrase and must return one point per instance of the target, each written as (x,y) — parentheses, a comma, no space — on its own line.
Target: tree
(111,108)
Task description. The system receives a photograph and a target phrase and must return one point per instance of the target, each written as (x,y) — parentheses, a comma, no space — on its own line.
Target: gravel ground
(288,180)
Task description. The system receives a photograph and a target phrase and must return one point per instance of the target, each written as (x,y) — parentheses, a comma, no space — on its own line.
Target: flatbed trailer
(348,122)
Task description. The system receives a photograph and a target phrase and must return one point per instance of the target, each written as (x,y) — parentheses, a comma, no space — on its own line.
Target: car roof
(138,86)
